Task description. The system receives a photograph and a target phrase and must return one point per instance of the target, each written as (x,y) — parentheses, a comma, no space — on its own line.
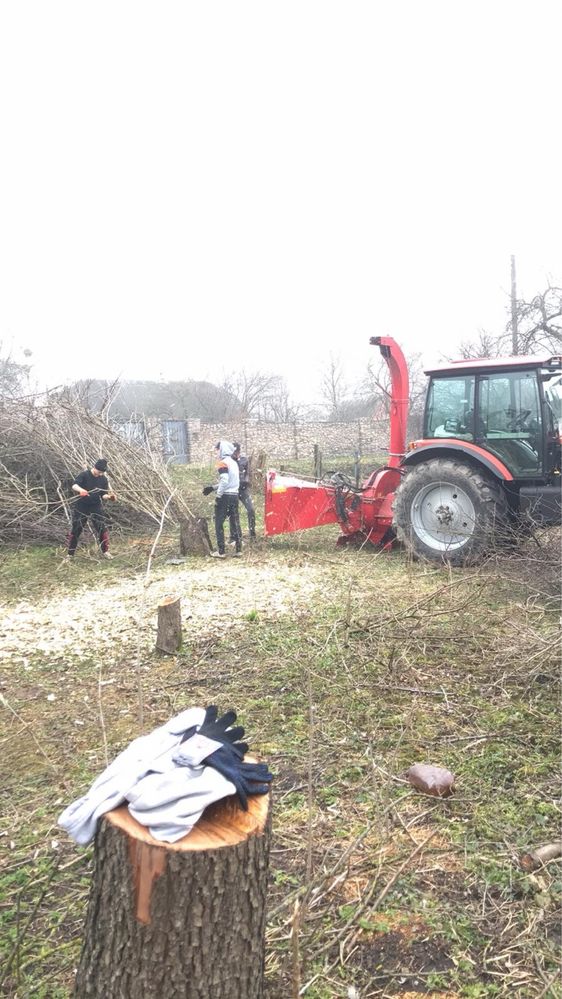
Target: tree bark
(258,467)
(168,638)
(181,920)
(194,536)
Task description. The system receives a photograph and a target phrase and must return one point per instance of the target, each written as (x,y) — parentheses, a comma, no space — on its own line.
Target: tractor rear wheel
(447,511)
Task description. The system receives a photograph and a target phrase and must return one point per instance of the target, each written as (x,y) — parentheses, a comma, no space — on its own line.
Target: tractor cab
(510,408)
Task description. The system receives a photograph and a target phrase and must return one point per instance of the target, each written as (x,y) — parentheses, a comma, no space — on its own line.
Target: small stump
(194,536)
(181,920)
(168,638)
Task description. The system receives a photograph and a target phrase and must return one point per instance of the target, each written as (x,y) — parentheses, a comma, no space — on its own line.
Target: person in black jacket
(244,492)
(91,487)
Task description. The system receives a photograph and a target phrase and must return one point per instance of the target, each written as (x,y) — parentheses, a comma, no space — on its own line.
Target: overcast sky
(189,188)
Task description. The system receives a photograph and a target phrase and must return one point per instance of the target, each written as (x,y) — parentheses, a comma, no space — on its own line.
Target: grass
(191,476)
(396,663)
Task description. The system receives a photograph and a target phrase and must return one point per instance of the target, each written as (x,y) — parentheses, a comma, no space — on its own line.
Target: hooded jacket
(229,474)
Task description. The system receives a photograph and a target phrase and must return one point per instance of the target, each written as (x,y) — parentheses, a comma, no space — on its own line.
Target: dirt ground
(346,668)
(125,608)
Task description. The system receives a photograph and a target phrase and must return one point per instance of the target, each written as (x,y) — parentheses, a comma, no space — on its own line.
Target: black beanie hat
(101,465)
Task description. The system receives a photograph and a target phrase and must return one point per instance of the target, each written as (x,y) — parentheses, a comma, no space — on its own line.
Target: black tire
(447,511)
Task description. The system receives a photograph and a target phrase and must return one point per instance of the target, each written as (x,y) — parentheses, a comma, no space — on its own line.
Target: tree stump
(168,638)
(194,536)
(181,920)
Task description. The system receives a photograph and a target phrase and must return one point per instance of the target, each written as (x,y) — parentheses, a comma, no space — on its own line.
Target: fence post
(357,468)
(317,462)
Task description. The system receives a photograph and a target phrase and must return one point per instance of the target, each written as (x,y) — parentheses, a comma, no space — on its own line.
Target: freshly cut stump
(181,920)
(168,638)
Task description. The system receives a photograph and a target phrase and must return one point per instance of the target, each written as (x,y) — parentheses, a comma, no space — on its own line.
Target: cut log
(535,859)
(168,638)
(194,536)
(182,920)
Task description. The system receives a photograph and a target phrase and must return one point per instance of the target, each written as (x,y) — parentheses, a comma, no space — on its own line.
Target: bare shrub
(43,446)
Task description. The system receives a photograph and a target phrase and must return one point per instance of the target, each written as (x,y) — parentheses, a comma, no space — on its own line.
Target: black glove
(218,731)
(207,490)
(248,778)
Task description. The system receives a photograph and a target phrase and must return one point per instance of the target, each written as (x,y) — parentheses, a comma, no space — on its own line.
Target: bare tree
(533,325)
(539,323)
(376,389)
(258,395)
(243,395)
(333,388)
(484,345)
(129,400)
(277,405)
(371,397)
(248,388)
(14,375)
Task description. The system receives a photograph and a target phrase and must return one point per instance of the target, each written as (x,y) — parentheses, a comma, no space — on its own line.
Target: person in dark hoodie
(244,492)
(226,501)
(91,487)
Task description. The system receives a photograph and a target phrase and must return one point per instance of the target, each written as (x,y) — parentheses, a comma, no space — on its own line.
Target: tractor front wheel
(447,511)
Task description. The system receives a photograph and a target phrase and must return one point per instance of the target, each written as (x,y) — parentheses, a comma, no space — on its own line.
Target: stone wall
(289,441)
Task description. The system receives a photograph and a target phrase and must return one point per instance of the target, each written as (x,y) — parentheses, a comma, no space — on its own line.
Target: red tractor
(487,465)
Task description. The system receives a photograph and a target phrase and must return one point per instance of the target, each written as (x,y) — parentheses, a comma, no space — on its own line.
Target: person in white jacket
(226,501)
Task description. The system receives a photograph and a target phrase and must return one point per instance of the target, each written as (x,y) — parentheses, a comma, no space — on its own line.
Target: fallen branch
(22,933)
(534,859)
(367,899)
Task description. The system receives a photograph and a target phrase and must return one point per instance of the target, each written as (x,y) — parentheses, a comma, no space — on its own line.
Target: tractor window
(553,396)
(509,421)
(450,408)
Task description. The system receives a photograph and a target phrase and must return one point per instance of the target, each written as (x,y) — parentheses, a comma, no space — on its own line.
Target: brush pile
(42,449)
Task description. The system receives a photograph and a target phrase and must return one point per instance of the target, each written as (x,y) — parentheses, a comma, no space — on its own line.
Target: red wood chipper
(487,467)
